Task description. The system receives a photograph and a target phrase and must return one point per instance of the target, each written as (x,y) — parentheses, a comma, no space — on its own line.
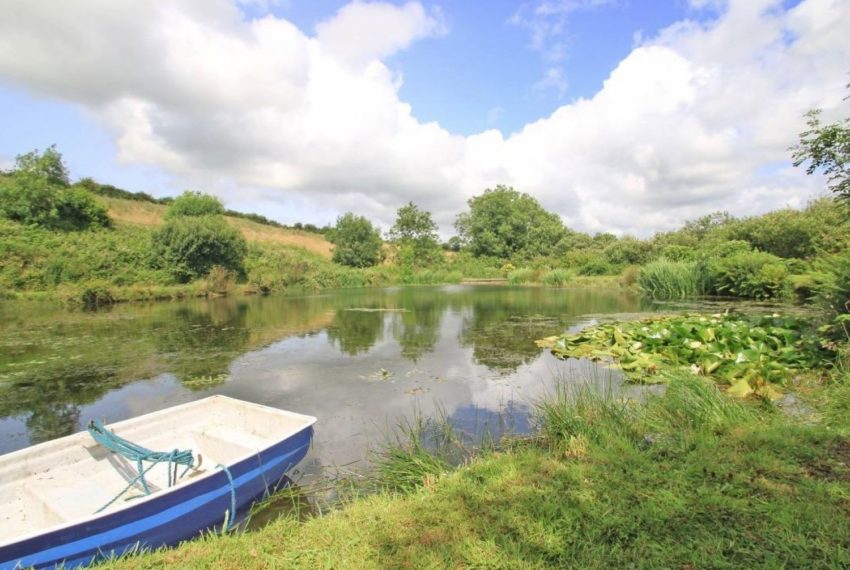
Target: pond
(359,360)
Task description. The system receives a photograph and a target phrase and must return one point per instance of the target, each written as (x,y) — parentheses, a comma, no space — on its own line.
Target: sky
(629,116)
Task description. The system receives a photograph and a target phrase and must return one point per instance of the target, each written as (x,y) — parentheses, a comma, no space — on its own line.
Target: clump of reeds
(557,277)
(665,279)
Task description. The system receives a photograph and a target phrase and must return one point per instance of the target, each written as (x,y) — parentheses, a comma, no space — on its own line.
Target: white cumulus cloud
(696,119)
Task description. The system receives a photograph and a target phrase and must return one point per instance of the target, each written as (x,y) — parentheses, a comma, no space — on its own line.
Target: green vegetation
(826,148)
(690,478)
(748,353)
(415,235)
(785,255)
(37,193)
(190,246)
(358,243)
(667,279)
(504,223)
(194,204)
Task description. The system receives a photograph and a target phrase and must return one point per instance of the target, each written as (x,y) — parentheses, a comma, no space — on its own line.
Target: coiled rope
(139,454)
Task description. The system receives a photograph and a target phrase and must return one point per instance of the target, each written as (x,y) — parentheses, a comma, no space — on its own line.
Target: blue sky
(622,115)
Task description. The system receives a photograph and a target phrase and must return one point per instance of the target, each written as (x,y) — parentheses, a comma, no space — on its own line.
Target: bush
(33,200)
(832,282)
(194,204)
(357,242)
(189,247)
(596,266)
(557,277)
(521,276)
(77,209)
(754,275)
(629,276)
(666,279)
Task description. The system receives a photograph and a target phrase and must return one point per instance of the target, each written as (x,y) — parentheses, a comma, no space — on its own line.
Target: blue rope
(232,518)
(139,454)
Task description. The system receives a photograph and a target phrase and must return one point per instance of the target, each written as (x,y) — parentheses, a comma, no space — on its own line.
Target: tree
(189,246)
(37,192)
(47,165)
(194,204)
(504,223)
(826,148)
(415,233)
(357,242)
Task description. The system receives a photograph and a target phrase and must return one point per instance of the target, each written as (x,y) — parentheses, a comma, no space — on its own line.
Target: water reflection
(356,359)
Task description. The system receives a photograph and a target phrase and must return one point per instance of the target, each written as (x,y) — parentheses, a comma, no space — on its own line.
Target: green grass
(689,479)
(665,279)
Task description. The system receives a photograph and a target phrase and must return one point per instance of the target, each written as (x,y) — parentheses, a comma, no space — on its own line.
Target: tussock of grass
(690,478)
(665,279)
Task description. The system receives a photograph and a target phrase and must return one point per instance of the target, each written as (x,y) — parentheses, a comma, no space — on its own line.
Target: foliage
(522,276)
(357,242)
(111,191)
(189,246)
(38,259)
(784,233)
(827,149)
(747,352)
(415,227)
(753,275)
(628,251)
(597,266)
(666,279)
(557,277)
(47,166)
(668,481)
(194,204)
(504,223)
(37,193)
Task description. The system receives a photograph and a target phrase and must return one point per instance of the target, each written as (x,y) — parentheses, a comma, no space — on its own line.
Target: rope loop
(135,452)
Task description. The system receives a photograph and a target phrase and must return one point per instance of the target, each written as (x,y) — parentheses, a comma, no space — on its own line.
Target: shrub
(77,209)
(357,242)
(754,275)
(666,279)
(557,277)
(521,276)
(832,282)
(678,253)
(630,276)
(189,247)
(596,266)
(33,200)
(220,280)
(194,204)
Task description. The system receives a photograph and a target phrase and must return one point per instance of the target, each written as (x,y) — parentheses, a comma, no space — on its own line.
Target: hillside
(148,214)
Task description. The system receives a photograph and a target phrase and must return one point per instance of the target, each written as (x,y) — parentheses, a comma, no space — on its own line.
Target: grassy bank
(689,479)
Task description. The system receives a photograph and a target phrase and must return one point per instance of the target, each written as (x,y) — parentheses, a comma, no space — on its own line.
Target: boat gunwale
(308,422)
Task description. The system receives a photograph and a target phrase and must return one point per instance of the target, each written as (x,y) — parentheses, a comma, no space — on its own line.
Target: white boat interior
(66,480)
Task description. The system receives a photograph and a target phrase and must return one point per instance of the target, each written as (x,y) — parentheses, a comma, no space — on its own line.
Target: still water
(359,360)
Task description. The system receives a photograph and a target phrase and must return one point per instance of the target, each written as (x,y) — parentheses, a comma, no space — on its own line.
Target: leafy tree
(504,223)
(416,235)
(826,148)
(37,192)
(194,204)
(47,165)
(189,246)
(357,242)
(453,244)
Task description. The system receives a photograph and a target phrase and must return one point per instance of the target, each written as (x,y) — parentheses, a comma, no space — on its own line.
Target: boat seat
(223,445)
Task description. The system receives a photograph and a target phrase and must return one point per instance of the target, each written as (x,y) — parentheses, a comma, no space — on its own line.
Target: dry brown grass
(151,215)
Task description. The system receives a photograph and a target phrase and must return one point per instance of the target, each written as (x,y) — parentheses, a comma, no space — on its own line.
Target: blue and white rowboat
(49,493)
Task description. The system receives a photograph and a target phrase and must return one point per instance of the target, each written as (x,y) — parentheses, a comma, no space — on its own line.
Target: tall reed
(665,279)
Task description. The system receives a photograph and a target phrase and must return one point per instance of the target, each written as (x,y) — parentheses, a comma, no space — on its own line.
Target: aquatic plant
(747,352)
(666,279)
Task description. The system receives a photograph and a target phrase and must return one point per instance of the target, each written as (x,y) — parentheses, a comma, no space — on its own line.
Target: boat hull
(173,516)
